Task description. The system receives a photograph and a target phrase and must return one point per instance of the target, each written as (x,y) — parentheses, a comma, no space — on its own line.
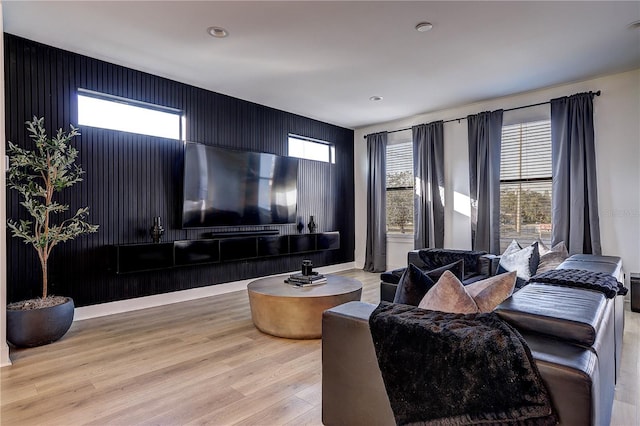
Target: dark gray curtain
(376,250)
(575,196)
(485,140)
(428,171)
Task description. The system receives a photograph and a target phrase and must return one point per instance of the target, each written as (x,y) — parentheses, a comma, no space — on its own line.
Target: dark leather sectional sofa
(575,336)
(478,265)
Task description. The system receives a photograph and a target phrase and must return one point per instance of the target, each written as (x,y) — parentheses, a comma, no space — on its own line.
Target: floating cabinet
(127,258)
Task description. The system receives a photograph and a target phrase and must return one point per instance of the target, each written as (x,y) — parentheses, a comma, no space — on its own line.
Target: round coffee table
(285,310)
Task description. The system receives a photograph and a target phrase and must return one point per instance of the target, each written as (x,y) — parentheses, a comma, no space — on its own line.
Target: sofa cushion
(492,291)
(571,314)
(612,269)
(415,283)
(449,295)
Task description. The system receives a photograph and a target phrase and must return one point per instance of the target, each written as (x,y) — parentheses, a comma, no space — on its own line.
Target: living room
(127,191)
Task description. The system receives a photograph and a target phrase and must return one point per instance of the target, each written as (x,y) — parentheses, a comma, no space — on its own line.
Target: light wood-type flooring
(198,362)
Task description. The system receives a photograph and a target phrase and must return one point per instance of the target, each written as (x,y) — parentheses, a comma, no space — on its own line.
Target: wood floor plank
(199,362)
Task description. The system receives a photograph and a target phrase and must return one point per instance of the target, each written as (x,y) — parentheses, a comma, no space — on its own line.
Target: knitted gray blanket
(579,278)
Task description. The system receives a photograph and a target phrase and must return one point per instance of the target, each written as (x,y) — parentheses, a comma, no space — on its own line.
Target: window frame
(526,180)
(409,232)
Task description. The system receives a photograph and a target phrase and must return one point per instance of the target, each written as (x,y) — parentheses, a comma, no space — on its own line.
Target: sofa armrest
(353,392)
(387,291)
(488,264)
(414,257)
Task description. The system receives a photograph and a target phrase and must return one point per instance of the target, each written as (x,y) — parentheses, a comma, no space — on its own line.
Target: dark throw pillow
(412,287)
(415,283)
(456,268)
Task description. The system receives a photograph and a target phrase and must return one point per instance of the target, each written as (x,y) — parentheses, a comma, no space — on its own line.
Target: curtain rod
(464,118)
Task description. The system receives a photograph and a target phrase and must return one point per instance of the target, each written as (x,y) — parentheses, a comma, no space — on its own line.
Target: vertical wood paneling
(132,178)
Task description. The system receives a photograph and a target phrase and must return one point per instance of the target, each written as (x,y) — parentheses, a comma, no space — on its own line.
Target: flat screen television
(225,187)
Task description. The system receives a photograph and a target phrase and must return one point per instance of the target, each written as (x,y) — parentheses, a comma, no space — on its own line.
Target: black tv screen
(224,187)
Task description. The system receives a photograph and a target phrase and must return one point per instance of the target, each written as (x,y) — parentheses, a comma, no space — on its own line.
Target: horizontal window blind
(399,161)
(526,151)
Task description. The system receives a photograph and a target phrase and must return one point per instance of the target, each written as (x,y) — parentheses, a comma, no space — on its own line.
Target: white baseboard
(103,309)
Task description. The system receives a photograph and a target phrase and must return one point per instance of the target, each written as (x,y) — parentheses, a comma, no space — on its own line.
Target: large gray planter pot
(37,327)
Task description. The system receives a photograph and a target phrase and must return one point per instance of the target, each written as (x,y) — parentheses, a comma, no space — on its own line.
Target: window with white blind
(400,188)
(525,183)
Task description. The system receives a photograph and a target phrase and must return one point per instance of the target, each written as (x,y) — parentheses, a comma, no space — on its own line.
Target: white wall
(617,132)
(4,349)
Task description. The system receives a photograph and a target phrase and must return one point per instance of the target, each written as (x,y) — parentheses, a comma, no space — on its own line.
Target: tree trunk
(43,263)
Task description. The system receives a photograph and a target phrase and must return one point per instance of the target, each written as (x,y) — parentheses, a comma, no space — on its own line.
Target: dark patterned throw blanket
(455,369)
(598,281)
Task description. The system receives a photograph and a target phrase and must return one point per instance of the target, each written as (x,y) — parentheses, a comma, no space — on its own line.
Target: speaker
(635,291)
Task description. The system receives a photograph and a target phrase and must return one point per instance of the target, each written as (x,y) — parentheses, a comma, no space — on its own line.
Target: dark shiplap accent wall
(132,178)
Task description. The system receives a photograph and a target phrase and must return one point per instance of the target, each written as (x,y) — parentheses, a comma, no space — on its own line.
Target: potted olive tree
(37,175)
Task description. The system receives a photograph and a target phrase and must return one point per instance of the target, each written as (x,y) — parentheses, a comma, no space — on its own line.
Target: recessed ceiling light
(634,25)
(423,27)
(375,98)
(217,32)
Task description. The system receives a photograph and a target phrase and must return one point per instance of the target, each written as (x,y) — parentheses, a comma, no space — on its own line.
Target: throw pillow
(524,262)
(456,268)
(415,283)
(542,247)
(513,247)
(552,257)
(448,295)
(492,291)
(412,287)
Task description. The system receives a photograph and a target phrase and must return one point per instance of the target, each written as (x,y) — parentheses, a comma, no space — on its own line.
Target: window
(311,149)
(400,188)
(525,183)
(110,112)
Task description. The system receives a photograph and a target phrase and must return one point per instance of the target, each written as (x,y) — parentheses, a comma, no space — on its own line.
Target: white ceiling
(325,59)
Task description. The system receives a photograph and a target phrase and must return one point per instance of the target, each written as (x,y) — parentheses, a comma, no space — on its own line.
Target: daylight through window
(308,149)
(525,183)
(107,112)
(400,188)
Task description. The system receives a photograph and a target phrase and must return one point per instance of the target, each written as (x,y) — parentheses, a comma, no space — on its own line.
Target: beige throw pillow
(552,257)
(491,292)
(448,295)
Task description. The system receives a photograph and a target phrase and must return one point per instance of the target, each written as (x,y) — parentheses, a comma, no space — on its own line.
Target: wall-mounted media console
(128,258)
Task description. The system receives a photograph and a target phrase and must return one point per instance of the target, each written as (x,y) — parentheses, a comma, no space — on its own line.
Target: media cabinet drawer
(142,257)
(196,252)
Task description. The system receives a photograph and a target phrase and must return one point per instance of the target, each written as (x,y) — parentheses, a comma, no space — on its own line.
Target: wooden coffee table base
(283,310)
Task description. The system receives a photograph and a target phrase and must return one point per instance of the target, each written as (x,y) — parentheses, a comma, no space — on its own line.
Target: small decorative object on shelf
(156,230)
(307,267)
(300,226)
(312,225)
